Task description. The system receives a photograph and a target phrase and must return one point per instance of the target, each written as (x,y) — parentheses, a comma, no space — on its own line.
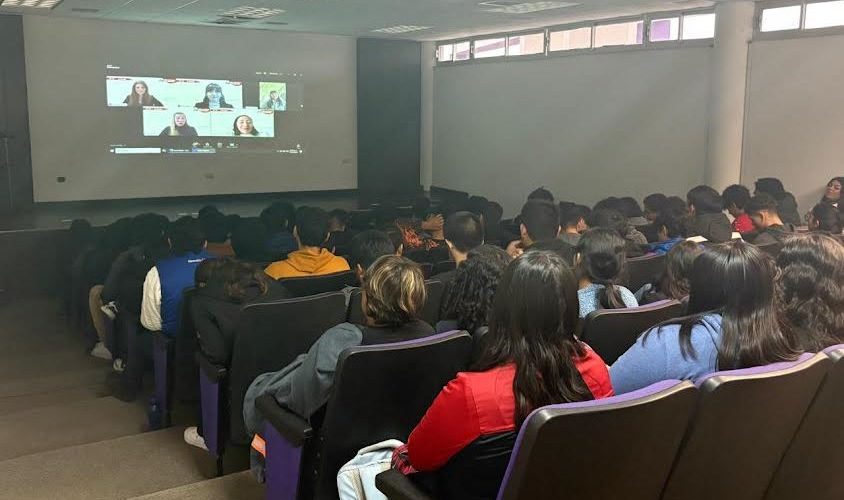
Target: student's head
(367,246)
(769,185)
(810,291)
(541,194)
(668,227)
(279,217)
(393,291)
(679,261)
(243,126)
(463,231)
(273,94)
(704,200)
(215,228)
(245,281)
(629,207)
(208,211)
(654,204)
(249,240)
(469,298)
(186,236)
(574,217)
(211,270)
(833,190)
(609,219)
(762,209)
(736,198)
(81,233)
(492,214)
(338,219)
(825,218)
(540,221)
(601,260)
(311,227)
(421,206)
(534,316)
(676,207)
(476,204)
(214,93)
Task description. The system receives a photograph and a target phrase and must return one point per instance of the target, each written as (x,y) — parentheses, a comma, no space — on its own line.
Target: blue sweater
(659,357)
(589,298)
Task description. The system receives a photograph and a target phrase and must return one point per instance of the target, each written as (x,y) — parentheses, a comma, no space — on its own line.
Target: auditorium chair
(380,392)
(443,266)
(813,466)
(270,335)
(312,285)
(618,447)
(427,269)
(643,270)
(744,422)
(430,313)
(610,332)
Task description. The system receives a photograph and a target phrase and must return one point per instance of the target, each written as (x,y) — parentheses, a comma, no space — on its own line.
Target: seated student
(463,232)
(494,233)
(367,247)
(631,209)
(216,230)
(669,232)
(249,239)
(531,359)
(279,219)
(732,323)
(674,282)
(706,218)
(393,298)
(467,303)
(311,232)
(786,203)
(736,198)
(600,263)
(832,194)
(540,221)
(825,218)
(810,291)
(634,241)
(573,220)
(770,229)
(340,236)
(654,205)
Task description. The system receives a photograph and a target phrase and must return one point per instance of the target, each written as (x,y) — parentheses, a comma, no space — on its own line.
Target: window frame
(800,32)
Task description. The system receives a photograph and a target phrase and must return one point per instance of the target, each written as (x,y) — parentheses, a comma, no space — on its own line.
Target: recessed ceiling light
(249,12)
(402,28)
(525,7)
(30,4)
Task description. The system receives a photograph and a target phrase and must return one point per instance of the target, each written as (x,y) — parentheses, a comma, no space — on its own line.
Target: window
(523,45)
(462,51)
(665,30)
(628,33)
(491,47)
(580,38)
(445,53)
(781,18)
(698,26)
(824,14)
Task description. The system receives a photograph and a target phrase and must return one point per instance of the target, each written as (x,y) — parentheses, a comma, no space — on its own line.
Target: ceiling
(446,18)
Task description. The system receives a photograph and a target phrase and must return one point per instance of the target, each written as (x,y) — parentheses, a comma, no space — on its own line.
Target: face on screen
(214,94)
(180,119)
(140,89)
(244,125)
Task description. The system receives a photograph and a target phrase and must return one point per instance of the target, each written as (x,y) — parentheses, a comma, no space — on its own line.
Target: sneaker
(118,365)
(101,351)
(193,438)
(110,310)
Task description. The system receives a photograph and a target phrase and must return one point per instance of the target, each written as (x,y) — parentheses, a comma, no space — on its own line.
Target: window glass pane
(580,38)
(629,33)
(823,15)
(491,47)
(698,26)
(522,45)
(461,51)
(781,18)
(445,52)
(665,30)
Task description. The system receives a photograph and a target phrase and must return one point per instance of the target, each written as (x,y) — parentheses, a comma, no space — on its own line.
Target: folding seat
(312,285)
(643,270)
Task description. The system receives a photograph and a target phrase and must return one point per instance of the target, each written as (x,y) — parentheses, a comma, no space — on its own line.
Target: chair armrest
(213,371)
(293,428)
(397,486)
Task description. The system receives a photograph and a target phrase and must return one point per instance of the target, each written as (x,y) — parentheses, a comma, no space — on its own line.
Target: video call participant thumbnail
(179,127)
(214,98)
(243,125)
(140,96)
(275,102)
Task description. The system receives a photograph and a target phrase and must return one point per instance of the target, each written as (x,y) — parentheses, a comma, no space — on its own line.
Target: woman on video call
(179,127)
(140,96)
(243,126)
(214,98)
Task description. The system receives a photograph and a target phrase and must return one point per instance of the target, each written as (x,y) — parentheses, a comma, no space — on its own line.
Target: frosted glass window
(698,26)
(491,47)
(580,38)
(781,18)
(629,33)
(665,30)
(824,14)
(523,45)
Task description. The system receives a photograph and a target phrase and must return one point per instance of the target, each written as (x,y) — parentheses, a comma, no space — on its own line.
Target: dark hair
(828,218)
(676,207)
(735,280)
(572,214)
(476,204)
(810,291)
(679,261)
(464,230)
(470,296)
(493,212)
(611,203)
(655,202)
(558,246)
(839,180)
(737,195)
(421,206)
(340,215)
(760,202)
(602,261)
(249,240)
(541,194)
(186,236)
(367,246)
(210,86)
(534,316)
(207,211)
(609,219)
(237,132)
(705,200)
(673,226)
(770,185)
(215,227)
(245,276)
(541,220)
(629,207)
(212,270)
(312,226)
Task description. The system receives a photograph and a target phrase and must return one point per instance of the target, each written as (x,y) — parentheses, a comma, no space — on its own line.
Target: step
(239,486)
(68,424)
(107,470)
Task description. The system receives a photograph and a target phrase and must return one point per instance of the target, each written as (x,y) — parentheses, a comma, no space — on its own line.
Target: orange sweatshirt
(307,263)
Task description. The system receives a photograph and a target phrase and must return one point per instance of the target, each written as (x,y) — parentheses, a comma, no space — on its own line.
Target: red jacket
(743,224)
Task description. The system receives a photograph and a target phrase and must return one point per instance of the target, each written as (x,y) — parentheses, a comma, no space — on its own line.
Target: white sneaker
(193,438)
(110,310)
(100,351)
(118,365)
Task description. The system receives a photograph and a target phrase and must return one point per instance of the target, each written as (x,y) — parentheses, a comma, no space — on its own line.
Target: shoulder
(595,373)
(276,268)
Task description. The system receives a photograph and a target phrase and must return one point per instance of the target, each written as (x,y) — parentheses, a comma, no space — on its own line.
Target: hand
(514,249)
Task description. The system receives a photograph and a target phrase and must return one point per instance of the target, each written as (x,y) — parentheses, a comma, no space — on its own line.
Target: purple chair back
(745,420)
(814,463)
(619,447)
(162,355)
(610,332)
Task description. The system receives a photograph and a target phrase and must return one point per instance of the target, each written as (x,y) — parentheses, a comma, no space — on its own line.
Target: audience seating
(772,249)
(744,423)
(813,466)
(619,447)
(427,269)
(643,270)
(312,285)
(444,266)
(610,332)
(380,392)
(430,313)
(478,337)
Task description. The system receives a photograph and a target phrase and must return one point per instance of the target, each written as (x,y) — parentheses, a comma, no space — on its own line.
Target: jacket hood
(308,262)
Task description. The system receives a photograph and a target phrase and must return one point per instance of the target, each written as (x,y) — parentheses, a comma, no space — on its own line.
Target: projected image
(247,122)
(133,91)
(229,122)
(166,122)
(273,95)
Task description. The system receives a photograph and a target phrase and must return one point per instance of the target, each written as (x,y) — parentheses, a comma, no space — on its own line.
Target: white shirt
(151,303)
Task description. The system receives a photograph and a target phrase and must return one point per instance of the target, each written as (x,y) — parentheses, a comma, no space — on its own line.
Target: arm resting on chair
(397,486)
(213,371)
(295,429)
